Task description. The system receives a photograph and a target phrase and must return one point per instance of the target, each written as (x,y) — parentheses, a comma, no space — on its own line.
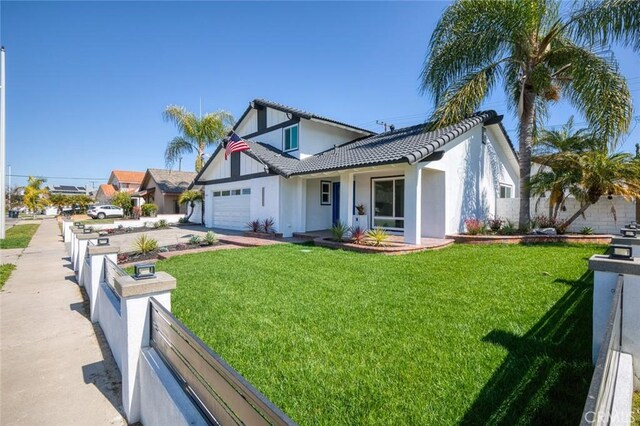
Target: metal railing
(598,408)
(220,392)
(111,271)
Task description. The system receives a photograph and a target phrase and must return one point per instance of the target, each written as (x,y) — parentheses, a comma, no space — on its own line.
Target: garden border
(531,239)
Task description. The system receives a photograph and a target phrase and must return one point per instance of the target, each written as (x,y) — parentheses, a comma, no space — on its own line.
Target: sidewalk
(53,369)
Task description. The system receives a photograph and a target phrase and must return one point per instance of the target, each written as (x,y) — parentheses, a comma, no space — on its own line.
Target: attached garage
(231,208)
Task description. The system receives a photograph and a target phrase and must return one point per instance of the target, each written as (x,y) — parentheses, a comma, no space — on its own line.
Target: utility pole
(180,164)
(3,89)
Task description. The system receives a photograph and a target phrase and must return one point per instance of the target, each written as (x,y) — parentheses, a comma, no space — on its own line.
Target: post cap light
(628,232)
(103,241)
(619,251)
(633,225)
(144,271)
(77,223)
(80,226)
(87,230)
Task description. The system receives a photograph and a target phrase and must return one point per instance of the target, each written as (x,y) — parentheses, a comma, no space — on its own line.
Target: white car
(101,212)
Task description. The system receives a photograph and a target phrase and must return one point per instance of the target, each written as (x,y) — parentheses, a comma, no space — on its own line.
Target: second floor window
(291,138)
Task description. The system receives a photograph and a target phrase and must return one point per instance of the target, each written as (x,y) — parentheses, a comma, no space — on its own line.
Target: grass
(468,334)
(5,273)
(635,412)
(18,236)
(96,221)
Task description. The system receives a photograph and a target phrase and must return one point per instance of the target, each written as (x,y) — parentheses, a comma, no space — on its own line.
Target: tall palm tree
(197,133)
(539,55)
(35,197)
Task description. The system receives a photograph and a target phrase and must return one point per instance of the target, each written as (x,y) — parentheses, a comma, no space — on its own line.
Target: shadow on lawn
(545,377)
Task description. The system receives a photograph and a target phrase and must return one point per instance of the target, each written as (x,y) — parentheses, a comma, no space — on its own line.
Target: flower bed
(267,235)
(390,247)
(530,239)
(135,256)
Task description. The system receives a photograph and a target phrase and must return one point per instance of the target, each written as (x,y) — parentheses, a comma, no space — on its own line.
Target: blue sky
(87,81)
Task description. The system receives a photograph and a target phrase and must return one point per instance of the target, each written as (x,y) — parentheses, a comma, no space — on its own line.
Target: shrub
(587,230)
(268,225)
(183,220)
(378,236)
(195,240)
(254,225)
(358,235)
(495,224)
(542,221)
(475,226)
(180,246)
(136,212)
(123,257)
(161,224)
(508,228)
(145,244)
(120,226)
(210,238)
(123,200)
(149,209)
(339,231)
(128,229)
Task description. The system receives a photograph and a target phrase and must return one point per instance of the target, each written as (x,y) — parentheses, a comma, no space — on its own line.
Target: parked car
(101,212)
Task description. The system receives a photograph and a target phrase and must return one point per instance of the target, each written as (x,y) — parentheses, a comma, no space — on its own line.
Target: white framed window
(232,192)
(388,203)
(290,138)
(246,191)
(506,190)
(325,193)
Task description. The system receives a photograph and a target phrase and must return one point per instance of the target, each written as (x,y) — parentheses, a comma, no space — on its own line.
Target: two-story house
(120,180)
(307,171)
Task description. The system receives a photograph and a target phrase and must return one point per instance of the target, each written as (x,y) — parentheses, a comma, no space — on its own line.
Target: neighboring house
(121,180)
(308,171)
(163,188)
(67,190)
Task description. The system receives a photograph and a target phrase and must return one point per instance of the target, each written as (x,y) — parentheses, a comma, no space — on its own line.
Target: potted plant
(360,219)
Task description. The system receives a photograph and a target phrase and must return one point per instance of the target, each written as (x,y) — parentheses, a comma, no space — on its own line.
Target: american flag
(234,144)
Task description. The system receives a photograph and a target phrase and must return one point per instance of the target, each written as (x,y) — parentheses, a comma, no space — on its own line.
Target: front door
(335,203)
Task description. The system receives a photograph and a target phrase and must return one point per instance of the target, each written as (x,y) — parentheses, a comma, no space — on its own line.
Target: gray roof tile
(172,181)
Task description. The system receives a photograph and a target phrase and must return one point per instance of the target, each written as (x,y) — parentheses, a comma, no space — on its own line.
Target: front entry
(335,203)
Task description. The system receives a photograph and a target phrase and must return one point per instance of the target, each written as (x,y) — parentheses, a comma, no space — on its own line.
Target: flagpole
(3,89)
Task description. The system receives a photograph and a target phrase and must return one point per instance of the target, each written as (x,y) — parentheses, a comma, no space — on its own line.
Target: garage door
(231,208)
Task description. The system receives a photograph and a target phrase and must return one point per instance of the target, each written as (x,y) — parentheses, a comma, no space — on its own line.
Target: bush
(123,200)
(268,225)
(123,257)
(254,225)
(378,236)
(339,231)
(508,228)
(358,235)
(149,210)
(161,224)
(475,226)
(210,238)
(587,230)
(195,240)
(542,221)
(145,244)
(495,224)
(183,220)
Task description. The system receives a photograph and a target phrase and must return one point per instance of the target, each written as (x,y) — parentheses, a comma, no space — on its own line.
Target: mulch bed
(135,257)
(388,247)
(531,239)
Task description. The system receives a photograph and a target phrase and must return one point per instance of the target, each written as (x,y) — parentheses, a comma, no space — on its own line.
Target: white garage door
(231,208)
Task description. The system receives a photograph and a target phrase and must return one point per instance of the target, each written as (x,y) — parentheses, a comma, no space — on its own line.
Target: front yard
(18,236)
(471,334)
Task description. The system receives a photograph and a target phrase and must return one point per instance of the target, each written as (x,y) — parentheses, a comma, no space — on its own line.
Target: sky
(87,81)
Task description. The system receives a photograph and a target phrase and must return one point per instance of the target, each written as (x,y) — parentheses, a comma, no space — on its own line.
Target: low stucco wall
(108,307)
(599,216)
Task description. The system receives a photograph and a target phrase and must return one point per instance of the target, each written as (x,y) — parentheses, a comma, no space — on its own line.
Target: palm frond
(605,22)
(184,120)
(177,148)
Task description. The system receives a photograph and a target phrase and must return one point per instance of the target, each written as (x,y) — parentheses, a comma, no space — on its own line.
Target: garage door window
(232,192)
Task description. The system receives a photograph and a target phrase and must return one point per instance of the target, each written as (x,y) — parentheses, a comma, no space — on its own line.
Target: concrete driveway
(165,237)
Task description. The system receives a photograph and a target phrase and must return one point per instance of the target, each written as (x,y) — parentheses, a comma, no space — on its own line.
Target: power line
(58,177)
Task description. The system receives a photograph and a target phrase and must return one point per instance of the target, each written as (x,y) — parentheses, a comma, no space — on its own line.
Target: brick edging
(530,239)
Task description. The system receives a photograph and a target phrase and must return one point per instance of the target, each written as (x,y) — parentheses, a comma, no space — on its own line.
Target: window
(388,202)
(235,192)
(505,191)
(246,191)
(325,193)
(291,138)
(216,193)
(226,193)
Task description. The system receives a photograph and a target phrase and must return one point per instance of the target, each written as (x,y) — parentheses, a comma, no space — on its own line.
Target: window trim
(505,185)
(284,138)
(328,193)
(373,200)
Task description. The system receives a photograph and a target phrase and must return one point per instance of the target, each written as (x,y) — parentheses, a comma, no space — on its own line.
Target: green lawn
(96,221)
(18,236)
(5,272)
(467,334)
(635,413)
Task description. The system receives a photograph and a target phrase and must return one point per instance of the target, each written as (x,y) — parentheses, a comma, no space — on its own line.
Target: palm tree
(35,197)
(197,133)
(60,201)
(539,55)
(190,196)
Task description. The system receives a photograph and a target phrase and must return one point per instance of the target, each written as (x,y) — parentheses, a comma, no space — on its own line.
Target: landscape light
(80,226)
(628,232)
(145,271)
(633,225)
(619,251)
(103,241)
(77,223)
(87,230)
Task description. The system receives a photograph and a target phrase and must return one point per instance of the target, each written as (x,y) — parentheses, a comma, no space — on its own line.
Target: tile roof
(409,144)
(300,113)
(128,176)
(171,181)
(107,189)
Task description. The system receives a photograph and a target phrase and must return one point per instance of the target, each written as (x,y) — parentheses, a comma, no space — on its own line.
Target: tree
(122,199)
(579,164)
(60,201)
(196,133)
(539,56)
(190,196)
(35,197)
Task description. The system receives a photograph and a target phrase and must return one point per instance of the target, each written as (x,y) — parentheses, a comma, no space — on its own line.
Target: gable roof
(169,181)
(299,113)
(124,176)
(107,189)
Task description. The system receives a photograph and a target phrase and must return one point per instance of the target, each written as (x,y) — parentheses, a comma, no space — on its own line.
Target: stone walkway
(55,367)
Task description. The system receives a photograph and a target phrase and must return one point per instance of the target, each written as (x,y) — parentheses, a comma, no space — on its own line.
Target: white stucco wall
(292,205)
(249,166)
(318,137)
(318,217)
(600,216)
(196,217)
(248,125)
(108,307)
(434,192)
(218,169)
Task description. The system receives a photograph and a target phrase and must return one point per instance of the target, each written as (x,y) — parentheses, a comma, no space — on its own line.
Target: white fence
(605,217)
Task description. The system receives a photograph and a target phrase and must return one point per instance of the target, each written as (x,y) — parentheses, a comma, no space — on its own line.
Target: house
(163,188)
(307,172)
(120,180)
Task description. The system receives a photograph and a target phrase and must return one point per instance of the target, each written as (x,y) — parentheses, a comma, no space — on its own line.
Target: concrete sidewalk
(55,368)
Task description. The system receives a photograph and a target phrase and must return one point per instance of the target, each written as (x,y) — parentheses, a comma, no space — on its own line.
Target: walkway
(53,369)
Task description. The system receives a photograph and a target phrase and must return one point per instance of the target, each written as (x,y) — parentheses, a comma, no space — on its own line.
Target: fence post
(66,225)
(81,252)
(135,314)
(634,242)
(97,254)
